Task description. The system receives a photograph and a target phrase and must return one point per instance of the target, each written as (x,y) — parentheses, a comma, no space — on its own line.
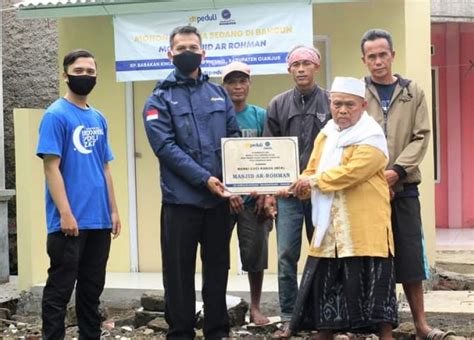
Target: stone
(158,325)
(33,337)
(268,328)
(21,325)
(153,302)
(143,317)
(199,320)
(148,331)
(242,333)
(103,311)
(5,314)
(72,332)
(453,281)
(71,317)
(108,325)
(199,334)
(405,329)
(237,314)
(28,319)
(127,319)
(28,304)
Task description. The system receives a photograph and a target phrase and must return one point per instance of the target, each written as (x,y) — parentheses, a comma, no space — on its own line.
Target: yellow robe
(361,224)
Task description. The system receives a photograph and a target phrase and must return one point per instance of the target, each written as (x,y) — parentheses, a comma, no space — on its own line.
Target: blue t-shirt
(385,92)
(251,121)
(79,137)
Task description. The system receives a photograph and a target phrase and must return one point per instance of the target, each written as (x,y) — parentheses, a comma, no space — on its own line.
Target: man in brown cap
(252,226)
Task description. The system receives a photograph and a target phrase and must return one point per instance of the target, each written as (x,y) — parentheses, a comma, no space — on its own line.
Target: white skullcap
(348,85)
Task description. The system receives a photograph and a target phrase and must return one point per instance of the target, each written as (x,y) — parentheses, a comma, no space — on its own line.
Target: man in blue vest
(185,118)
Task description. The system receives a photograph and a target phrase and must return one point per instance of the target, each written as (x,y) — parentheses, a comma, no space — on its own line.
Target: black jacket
(292,114)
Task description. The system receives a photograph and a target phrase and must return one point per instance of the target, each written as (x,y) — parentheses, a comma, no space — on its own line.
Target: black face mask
(81,85)
(187,61)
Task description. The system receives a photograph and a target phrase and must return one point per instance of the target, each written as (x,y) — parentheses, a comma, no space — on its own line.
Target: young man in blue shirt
(81,210)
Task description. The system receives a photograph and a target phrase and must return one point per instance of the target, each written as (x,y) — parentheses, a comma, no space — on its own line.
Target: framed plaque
(264,165)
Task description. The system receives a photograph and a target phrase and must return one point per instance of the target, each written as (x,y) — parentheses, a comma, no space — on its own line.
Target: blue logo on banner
(226,14)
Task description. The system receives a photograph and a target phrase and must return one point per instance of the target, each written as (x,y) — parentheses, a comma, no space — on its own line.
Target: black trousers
(75,260)
(183,227)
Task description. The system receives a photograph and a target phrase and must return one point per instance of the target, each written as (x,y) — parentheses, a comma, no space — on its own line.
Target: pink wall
(454,48)
(467,108)
(438,60)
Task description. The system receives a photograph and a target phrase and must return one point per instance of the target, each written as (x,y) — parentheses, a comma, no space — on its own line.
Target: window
(435,120)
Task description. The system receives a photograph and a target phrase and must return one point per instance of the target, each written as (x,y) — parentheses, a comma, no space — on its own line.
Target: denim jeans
(289,224)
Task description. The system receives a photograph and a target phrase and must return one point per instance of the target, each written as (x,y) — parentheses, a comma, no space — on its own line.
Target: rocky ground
(145,319)
(147,322)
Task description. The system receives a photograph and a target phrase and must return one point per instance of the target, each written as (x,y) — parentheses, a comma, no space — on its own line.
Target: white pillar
(132,188)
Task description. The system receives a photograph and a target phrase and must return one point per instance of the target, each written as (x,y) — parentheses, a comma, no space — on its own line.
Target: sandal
(283,331)
(438,334)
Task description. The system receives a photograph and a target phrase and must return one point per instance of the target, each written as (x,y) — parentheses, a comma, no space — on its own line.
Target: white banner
(259,35)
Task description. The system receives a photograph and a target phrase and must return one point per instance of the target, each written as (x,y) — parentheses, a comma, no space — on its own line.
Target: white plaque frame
(263,165)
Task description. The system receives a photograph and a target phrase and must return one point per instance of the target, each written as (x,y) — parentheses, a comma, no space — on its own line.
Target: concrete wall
(452,10)
(30,76)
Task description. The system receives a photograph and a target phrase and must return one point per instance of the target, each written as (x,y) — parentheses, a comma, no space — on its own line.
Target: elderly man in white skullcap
(348,282)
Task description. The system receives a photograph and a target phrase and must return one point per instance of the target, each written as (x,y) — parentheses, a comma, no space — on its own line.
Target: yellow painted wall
(343,23)
(108,98)
(409,23)
(148,188)
(31,220)
(418,67)
(96,35)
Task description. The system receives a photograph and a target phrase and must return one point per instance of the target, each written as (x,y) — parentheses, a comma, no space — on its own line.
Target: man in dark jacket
(301,112)
(185,119)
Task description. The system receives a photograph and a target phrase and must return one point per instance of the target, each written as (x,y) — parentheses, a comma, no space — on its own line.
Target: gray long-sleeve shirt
(296,115)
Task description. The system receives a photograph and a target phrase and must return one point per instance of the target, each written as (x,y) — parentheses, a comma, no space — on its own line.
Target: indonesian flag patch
(152,114)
